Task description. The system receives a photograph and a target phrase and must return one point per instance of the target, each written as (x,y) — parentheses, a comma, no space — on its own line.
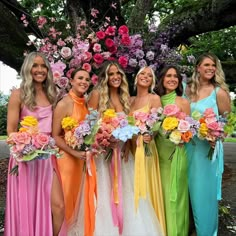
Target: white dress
(141,223)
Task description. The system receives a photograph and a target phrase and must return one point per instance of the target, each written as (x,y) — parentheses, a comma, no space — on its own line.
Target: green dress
(174,180)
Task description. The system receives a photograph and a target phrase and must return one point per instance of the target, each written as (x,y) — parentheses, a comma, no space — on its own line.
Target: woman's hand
(79,154)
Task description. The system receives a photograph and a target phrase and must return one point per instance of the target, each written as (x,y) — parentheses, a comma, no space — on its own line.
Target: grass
(230,140)
(4,137)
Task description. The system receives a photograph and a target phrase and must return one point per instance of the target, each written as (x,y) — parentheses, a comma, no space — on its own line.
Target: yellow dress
(151,173)
(71,168)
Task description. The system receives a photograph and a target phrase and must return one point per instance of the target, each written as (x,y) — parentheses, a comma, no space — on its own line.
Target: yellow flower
(170,123)
(68,123)
(175,137)
(109,113)
(29,121)
(203,130)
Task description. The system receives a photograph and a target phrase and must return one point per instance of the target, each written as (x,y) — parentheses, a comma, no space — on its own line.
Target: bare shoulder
(64,104)
(155,100)
(154,97)
(15,96)
(222,94)
(182,100)
(94,94)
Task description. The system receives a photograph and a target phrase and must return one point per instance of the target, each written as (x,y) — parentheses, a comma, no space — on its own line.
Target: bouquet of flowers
(80,135)
(148,123)
(113,126)
(178,127)
(213,128)
(29,144)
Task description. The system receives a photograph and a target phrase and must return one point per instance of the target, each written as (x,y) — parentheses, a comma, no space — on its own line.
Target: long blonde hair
(217,80)
(103,88)
(28,91)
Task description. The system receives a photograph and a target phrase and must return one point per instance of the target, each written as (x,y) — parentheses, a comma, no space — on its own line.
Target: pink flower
(21,139)
(123,61)
(113,49)
(123,29)
(94,79)
(98,58)
(214,126)
(111,30)
(100,35)
(87,67)
(63,82)
(109,43)
(209,112)
(141,116)
(170,110)
(40,140)
(41,21)
(97,47)
(66,52)
(183,126)
(56,76)
(68,73)
(87,56)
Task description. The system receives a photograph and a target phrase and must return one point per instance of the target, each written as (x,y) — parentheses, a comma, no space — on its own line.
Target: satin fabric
(174,180)
(147,178)
(28,203)
(205,176)
(71,168)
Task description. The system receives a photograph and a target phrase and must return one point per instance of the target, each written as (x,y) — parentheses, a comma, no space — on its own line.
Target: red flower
(125,39)
(100,35)
(123,30)
(109,43)
(111,30)
(123,61)
(98,58)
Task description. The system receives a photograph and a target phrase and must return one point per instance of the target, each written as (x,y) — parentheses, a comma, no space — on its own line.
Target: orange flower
(186,136)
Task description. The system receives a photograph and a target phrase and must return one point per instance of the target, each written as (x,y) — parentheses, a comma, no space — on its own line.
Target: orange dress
(71,168)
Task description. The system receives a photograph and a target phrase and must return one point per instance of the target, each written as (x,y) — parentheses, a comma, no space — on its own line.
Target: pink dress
(28,203)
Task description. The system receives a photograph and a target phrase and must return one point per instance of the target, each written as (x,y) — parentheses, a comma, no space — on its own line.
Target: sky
(8,79)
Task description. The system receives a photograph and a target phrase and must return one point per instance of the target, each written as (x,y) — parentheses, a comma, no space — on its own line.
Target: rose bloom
(97,47)
(94,79)
(110,113)
(100,35)
(40,140)
(186,136)
(63,82)
(203,130)
(68,73)
(123,29)
(125,40)
(87,67)
(170,110)
(98,58)
(109,43)
(21,139)
(170,123)
(175,137)
(111,30)
(66,52)
(87,56)
(123,61)
(142,116)
(183,126)
(209,113)
(113,49)
(56,76)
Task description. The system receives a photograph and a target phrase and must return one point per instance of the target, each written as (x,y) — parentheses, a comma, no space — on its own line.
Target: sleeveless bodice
(42,114)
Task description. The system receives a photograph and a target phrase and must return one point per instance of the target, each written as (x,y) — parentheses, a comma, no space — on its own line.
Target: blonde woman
(34,203)
(207,89)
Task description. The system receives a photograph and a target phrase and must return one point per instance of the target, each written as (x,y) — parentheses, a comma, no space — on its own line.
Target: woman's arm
(93,101)
(59,113)
(13,111)
(223,102)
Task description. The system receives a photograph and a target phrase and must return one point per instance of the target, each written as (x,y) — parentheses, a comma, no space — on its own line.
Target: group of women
(47,197)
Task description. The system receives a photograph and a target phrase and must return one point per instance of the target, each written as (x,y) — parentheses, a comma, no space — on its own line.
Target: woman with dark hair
(206,89)
(173,171)
(71,163)
(34,204)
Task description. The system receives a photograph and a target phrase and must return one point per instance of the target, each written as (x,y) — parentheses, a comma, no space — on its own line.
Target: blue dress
(205,175)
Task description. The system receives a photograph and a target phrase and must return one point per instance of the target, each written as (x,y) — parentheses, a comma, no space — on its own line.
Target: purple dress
(28,203)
